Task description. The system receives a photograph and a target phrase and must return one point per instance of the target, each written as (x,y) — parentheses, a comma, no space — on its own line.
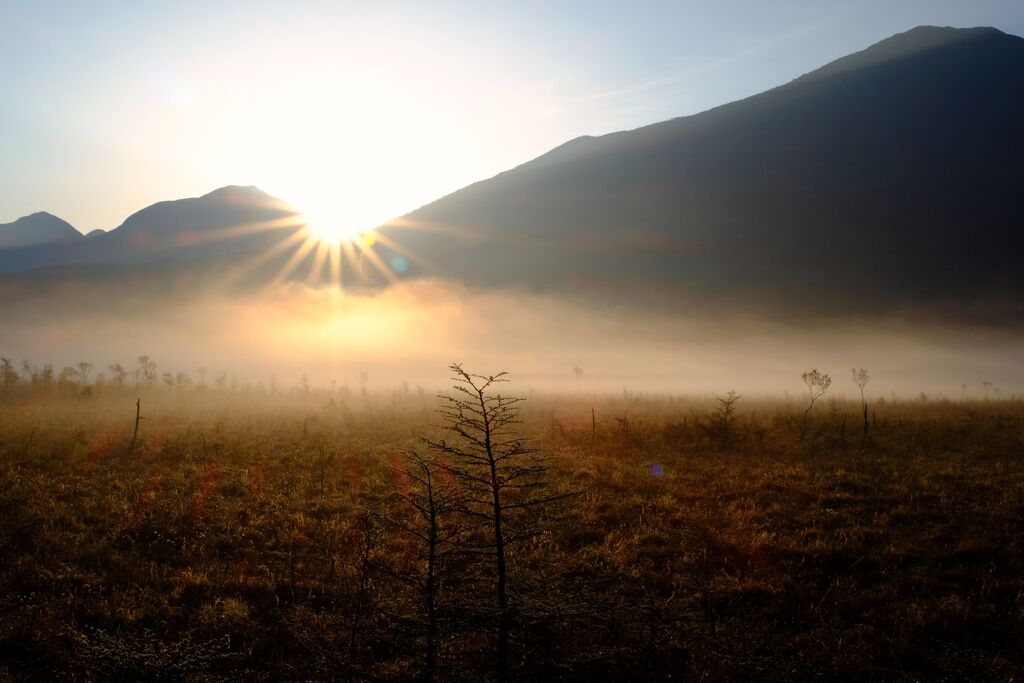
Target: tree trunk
(138,416)
(431,662)
(501,663)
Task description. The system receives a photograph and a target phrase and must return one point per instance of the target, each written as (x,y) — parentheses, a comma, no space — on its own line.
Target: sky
(358,112)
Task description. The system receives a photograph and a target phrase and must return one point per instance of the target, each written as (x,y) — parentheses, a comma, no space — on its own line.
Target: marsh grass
(235,541)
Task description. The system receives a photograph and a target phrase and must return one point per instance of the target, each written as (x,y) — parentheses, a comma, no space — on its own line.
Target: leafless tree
(363,565)
(861,379)
(8,375)
(83,370)
(138,418)
(181,380)
(147,370)
(578,371)
(67,376)
(722,418)
(118,374)
(429,505)
(817,384)
(503,479)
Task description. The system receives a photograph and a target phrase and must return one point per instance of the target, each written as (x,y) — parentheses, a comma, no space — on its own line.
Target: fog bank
(411,331)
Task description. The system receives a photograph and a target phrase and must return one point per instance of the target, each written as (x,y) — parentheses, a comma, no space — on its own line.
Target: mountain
(885,181)
(229,220)
(38,228)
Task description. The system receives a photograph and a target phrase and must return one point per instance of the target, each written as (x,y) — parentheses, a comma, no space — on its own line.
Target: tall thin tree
(817,384)
(861,379)
(429,502)
(502,478)
(147,370)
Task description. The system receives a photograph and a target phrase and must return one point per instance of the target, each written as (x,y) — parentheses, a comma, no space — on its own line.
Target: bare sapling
(722,418)
(817,384)
(861,379)
(138,418)
(503,479)
(429,503)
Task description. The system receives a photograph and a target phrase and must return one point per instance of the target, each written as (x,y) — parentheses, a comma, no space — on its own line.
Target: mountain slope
(226,221)
(38,228)
(883,181)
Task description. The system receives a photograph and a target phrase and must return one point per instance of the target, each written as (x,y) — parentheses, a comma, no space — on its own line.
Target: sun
(333,227)
(341,245)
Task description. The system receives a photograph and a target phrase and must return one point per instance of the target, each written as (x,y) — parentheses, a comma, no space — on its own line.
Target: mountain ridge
(887,172)
(36,228)
(187,228)
(881,188)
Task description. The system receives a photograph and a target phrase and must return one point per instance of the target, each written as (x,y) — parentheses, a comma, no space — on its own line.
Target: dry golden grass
(244,539)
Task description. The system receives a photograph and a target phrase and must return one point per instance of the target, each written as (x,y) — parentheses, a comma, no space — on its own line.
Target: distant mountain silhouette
(226,221)
(39,228)
(888,179)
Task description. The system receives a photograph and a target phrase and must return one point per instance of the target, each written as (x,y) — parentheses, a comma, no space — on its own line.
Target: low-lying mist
(411,331)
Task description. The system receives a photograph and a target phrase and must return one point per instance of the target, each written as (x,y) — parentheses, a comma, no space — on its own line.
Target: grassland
(249,535)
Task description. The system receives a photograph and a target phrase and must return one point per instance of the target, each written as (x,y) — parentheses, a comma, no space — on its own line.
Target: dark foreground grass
(248,537)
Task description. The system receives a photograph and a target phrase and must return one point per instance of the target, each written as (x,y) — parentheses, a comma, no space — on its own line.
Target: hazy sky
(361,111)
